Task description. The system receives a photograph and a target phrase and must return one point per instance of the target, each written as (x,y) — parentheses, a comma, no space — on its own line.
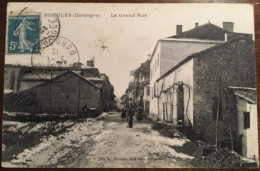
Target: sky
(120,44)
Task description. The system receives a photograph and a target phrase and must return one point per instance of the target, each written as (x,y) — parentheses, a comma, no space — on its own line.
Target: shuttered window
(246,120)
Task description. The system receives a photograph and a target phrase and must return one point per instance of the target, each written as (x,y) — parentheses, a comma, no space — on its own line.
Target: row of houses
(57,89)
(205,78)
(138,91)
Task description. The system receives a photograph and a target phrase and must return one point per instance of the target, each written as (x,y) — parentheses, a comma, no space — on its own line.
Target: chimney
(90,63)
(196,24)
(228,26)
(178,30)
(77,66)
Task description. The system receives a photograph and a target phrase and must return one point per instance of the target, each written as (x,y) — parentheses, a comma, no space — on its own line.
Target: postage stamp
(23,33)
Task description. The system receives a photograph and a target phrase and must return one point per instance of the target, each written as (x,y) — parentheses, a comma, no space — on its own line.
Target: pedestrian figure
(127,114)
(123,115)
(139,116)
(85,110)
(130,115)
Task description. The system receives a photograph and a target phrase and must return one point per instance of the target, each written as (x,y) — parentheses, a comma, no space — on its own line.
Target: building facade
(168,53)
(138,91)
(59,95)
(19,80)
(246,99)
(190,78)
(171,51)
(194,92)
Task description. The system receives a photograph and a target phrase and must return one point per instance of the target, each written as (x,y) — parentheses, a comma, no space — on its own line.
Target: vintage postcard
(89,85)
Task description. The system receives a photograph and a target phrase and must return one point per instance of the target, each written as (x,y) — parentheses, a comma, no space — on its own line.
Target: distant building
(107,90)
(138,91)
(143,85)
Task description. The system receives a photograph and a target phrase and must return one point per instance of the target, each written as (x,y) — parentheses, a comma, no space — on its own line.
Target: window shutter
(246,120)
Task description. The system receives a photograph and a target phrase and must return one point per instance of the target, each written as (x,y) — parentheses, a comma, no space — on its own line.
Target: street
(106,141)
(120,146)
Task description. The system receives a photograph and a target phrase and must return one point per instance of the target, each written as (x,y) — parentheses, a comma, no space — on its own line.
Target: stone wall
(229,64)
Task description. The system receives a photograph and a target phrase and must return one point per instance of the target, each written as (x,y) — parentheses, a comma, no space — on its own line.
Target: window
(151,73)
(215,110)
(148,91)
(158,58)
(163,108)
(246,120)
(155,64)
(166,109)
(154,89)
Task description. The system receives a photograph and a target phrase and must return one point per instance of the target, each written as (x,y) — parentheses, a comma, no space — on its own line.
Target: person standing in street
(130,115)
(123,115)
(139,116)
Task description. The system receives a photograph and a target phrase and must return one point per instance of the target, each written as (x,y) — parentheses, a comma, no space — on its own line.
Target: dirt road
(105,142)
(120,146)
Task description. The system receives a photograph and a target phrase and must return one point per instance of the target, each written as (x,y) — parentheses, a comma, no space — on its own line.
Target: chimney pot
(90,63)
(228,26)
(178,30)
(196,24)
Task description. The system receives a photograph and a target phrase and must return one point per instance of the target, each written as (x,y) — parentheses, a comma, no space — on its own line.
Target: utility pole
(218,108)
(231,137)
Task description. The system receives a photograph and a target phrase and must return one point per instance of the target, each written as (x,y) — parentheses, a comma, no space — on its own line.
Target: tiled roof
(84,78)
(207,31)
(90,72)
(249,94)
(38,77)
(57,77)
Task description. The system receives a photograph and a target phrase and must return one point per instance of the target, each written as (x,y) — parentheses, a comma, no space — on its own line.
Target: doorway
(180,105)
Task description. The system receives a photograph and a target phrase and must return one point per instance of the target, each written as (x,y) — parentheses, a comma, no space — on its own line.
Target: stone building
(246,99)
(171,51)
(194,92)
(66,93)
(26,81)
(138,91)
(191,80)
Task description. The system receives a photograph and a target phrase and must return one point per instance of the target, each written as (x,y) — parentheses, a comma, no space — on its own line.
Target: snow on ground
(33,127)
(15,126)
(105,141)
(140,146)
(52,148)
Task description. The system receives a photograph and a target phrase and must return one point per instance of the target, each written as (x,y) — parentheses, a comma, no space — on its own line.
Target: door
(147,104)
(180,105)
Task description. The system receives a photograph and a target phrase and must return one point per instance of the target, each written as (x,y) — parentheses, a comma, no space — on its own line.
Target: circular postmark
(50,30)
(54,61)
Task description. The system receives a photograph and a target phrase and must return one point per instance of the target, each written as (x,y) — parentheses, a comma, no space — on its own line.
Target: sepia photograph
(120,85)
